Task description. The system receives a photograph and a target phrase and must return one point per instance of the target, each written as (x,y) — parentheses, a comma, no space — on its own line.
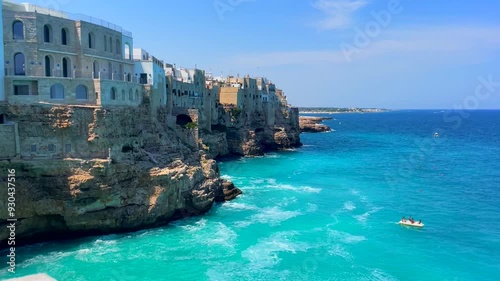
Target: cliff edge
(87,170)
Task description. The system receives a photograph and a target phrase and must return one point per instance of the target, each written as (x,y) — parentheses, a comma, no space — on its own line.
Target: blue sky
(345,53)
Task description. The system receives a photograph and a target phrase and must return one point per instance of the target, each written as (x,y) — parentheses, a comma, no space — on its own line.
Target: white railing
(73,16)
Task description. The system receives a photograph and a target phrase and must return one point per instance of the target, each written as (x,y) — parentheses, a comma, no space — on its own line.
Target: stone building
(189,92)
(61,58)
(56,58)
(150,72)
(53,58)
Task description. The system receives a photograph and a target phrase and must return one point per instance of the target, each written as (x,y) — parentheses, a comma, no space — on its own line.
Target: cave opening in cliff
(127,148)
(183,119)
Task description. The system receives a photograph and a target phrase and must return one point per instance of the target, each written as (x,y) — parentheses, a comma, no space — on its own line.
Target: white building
(148,70)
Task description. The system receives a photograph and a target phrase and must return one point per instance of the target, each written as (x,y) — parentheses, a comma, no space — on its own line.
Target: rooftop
(27,7)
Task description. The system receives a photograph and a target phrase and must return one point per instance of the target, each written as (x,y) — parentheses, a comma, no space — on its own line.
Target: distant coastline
(337,110)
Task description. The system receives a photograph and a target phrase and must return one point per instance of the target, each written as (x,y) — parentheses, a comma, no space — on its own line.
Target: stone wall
(124,171)
(8,137)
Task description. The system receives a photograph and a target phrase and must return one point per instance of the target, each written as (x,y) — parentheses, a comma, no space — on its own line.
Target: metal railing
(74,16)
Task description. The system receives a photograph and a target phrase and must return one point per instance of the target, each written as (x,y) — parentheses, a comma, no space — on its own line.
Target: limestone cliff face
(251,134)
(311,124)
(90,170)
(105,170)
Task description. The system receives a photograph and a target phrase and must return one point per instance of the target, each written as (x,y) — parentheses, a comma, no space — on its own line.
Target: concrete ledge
(36,277)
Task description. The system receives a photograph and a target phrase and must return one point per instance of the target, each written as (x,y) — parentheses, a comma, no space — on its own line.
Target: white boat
(409,223)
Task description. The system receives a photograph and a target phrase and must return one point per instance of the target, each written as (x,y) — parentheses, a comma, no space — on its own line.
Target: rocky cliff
(91,170)
(85,171)
(251,134)
(310,124)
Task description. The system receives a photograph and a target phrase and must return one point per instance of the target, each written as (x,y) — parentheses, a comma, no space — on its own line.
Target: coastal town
(100,136)
(63,59)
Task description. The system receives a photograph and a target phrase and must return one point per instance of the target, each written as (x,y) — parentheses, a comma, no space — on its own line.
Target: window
(18,30)
(57,92)
(52,148)
(21,90)
(47,33)
(91,40)
(68,148)
(64,36)
(48,66)
(118,47)
(110,71)
(95,66)
(136,95)
(105,43)
(81,92)
(33,148)
(128,52)
(113,93)
(19,64)
(66,67)
(110,44)
(123,95)
(130,95)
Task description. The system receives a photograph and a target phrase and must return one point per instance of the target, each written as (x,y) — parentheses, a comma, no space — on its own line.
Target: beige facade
(52,58)
(187,88)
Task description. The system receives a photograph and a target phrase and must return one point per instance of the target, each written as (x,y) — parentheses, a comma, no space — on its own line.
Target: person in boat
(420,222)
(403,219)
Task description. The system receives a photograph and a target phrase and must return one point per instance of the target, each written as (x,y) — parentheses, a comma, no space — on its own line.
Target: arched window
(95,69)
(19,64)
(105,43)
(57,92)
(128,52)
(130,95)
(47,36)
(113,93)
(110,44)
(81,92)
(129,77)
(118,47)
(91,40)
(18,30)
(66,67)
(64,36)
(136,95)
(123,95)
(120,72)
(110,71)
(48,66)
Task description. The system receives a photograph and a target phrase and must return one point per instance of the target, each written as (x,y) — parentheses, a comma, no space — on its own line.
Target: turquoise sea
(326,211)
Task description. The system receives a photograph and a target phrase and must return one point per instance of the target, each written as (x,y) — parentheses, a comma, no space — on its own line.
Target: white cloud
(338,13)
